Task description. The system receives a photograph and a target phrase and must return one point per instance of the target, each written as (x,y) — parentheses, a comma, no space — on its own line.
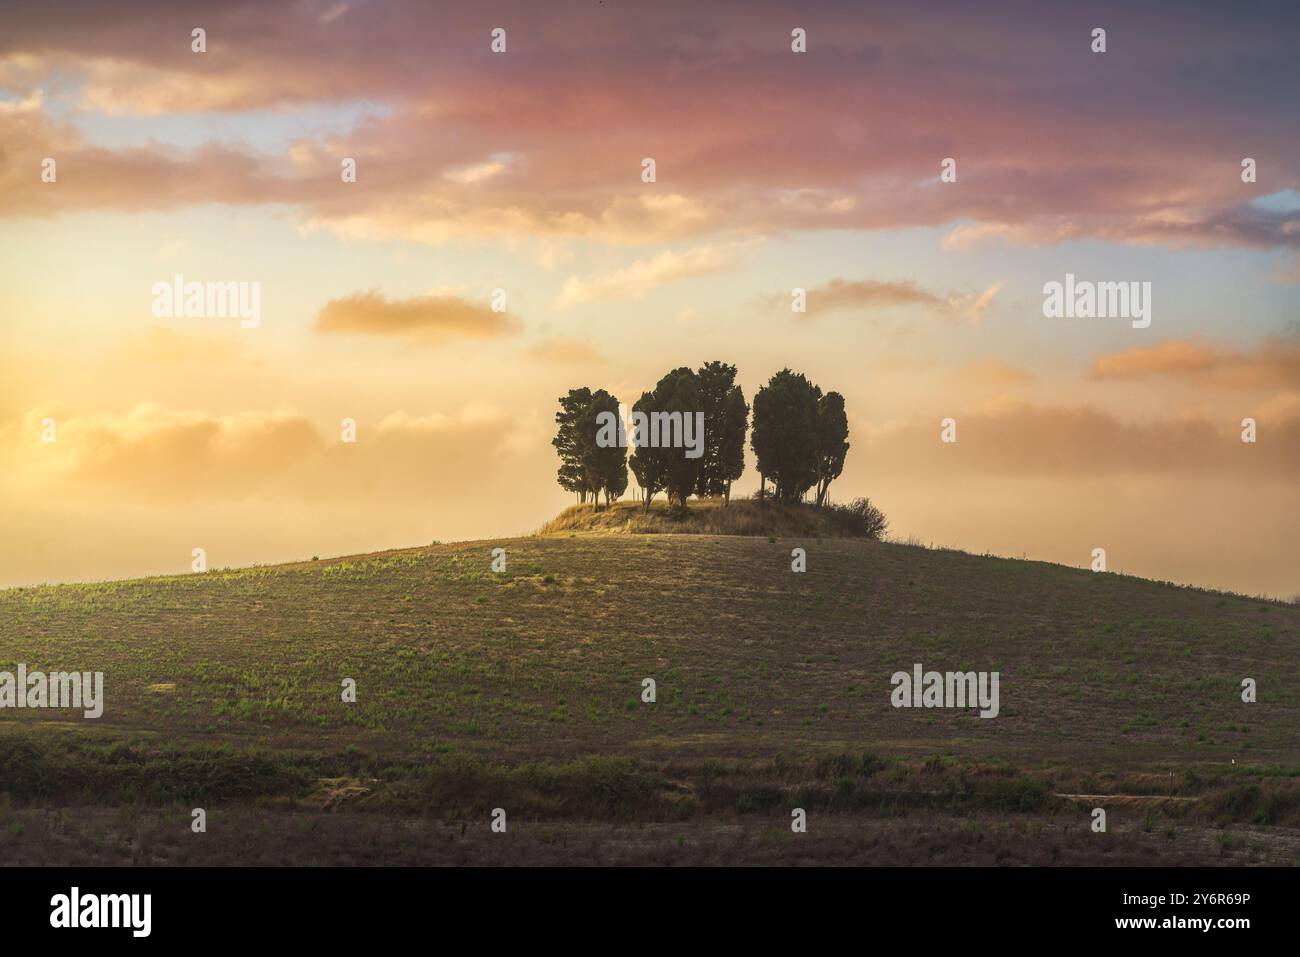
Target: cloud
(966,236)
(132,492)
(134,179)
(436,214)
(157,454)
(992,374)
(32,103)
(478,172)
(422,320)
(971,308)
(645,275)
(333,13)
(566,352)
(1275,363)
(803,154)
(849,294)
(1013,438)
(842,295)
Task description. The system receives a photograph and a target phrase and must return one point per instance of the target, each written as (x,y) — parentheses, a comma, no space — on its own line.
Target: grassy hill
(522,690)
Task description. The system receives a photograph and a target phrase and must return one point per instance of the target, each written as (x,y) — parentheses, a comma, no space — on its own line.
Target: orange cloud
(869,294)
(131,493)
(566,352)
(993,374)
(1016,439)
(1276,362)
(423,320)
(156,454)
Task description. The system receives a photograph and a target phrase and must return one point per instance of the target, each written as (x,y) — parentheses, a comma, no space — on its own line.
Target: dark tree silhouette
(616,480)
(784,437)
(586,467)
(714,382)
(568,442)
(648,464)
(731,454)
(682,396)
(605,466)
(832,441)
(666,467)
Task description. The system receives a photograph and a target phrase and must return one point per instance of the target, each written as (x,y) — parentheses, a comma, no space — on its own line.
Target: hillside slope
(746,653)
(228,683)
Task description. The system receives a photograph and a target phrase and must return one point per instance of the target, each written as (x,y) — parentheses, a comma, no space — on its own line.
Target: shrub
(861,518)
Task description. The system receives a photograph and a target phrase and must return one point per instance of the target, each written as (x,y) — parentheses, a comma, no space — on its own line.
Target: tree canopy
(586,466)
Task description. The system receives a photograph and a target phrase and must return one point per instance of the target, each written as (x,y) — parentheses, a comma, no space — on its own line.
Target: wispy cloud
(645,275)
(572,352)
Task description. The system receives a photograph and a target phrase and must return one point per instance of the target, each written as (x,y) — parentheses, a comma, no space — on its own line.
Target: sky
(129,438)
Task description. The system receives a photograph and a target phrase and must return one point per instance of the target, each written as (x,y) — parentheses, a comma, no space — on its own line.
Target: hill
(523,690)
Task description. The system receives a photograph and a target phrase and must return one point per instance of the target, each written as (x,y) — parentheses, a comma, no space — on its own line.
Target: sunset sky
(522,171)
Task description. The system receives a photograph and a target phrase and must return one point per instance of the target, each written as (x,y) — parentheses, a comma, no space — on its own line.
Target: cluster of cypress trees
(799,439)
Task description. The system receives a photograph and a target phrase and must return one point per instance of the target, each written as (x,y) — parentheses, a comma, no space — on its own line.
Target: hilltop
(524,690)
(710,517)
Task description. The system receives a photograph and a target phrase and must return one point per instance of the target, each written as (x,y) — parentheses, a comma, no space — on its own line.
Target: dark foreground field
(522,691)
